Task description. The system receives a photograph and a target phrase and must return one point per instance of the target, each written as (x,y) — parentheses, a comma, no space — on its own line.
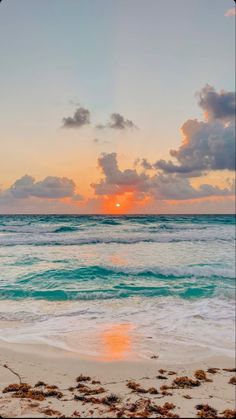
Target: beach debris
(229,369)
(233,380)
(166,393)
(82,377)
(161,371)
(90,391)
(154,356)
(164,388)
(164,410)
(206,411)
(213,370)
(29,394)
(172,373)
(161,377)
(96,382)
(185,382)
(201,375)
(51,412)
(51,392)
(136,387)
(75,413)
(71,388)
(153,390)
(16,387)
(40,384)
(51,387)
(13,372)
(187,396)
(111,399)
(228,413)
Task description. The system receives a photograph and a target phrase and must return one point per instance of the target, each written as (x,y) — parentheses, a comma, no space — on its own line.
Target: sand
(56,367)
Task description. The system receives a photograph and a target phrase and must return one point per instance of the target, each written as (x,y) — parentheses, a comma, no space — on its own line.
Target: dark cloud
(160,186)
(81,117)
(217,105)
(117,121)
(51,187)
(207,145)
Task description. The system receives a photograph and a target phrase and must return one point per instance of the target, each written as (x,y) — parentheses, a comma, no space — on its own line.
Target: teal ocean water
(157,272)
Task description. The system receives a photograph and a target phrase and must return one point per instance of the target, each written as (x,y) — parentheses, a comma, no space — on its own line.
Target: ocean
(66,280)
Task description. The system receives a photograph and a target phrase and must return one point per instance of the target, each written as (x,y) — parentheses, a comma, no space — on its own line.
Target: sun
(117,205)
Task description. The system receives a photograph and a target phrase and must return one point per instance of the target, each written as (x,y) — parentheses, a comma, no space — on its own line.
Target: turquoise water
(170,278)
(97,257)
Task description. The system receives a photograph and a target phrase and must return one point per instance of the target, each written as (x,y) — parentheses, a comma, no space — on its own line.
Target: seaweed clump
(206,411)
(228,413)
(201,375)
(185,382)
(232,381)
(82,378)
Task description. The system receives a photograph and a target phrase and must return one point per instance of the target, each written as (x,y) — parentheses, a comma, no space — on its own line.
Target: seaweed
(185,382)
(16,387)
(233,380)
(206,411)
(213,370)
(29,394)
(82,377)
(89,391)
(51,412)
(40,384)
(228,413)
(153,390)
(201,375)
(53,393)
(111,399)
(136,387)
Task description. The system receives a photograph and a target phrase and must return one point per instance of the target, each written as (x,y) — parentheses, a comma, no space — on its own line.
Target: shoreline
(36,363)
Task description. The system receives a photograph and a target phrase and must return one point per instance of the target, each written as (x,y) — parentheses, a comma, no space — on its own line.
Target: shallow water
(160,277)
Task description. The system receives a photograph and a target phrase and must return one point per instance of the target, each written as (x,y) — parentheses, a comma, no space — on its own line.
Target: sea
(119,287)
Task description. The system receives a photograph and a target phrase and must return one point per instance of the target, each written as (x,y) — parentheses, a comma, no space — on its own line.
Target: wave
(104,282)
(65,229)
(98,271)
(68,240)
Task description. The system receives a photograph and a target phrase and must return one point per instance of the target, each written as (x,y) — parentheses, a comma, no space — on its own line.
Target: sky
(123,106)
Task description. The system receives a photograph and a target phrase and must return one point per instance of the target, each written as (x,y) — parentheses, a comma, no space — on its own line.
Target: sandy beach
(60,384)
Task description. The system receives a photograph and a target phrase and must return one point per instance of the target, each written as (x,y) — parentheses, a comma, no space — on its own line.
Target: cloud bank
(52,187)
(159,186)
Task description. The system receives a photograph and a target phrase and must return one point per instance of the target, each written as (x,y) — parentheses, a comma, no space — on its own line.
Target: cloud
(116,181)
(230,12)
(51,187)
(81,117)
(217,105)
(159,186)
(117,121)
(207,145)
